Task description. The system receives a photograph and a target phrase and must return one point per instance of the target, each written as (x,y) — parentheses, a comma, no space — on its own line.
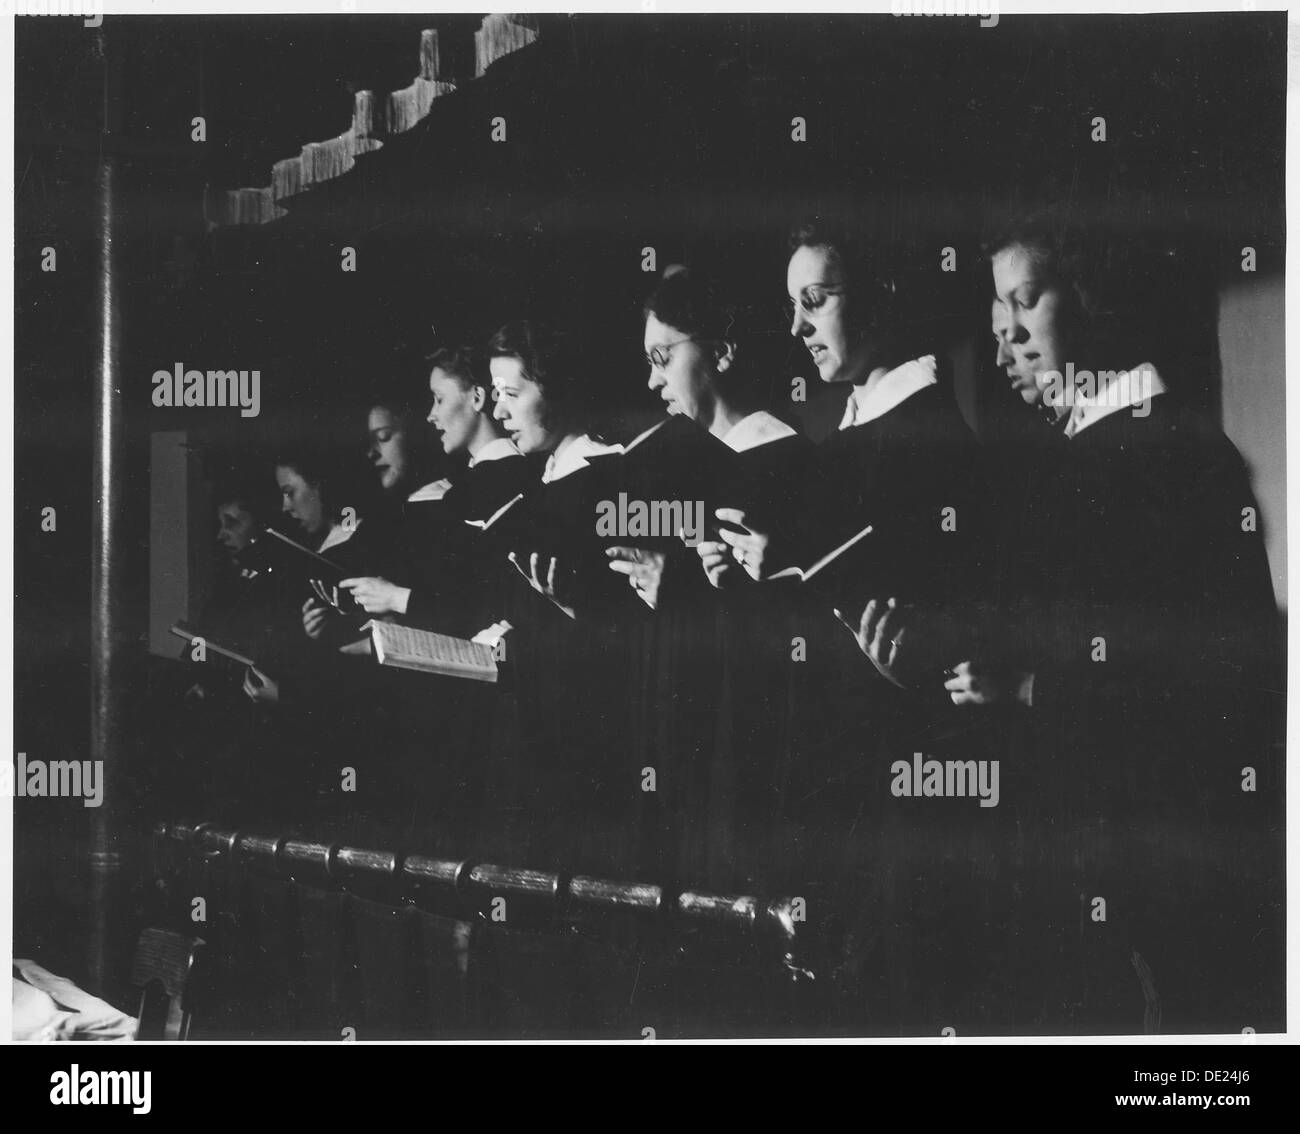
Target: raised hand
(644,571)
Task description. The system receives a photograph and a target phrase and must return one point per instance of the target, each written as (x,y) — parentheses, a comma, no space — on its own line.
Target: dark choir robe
(1153,639)
(215,740)
(347,693)
(890,876)
(679,708)
(324,716)
(914,474)
(432,742)
(734,807)
(623,699)
(565,783)
(672,657)
(237,753)
(445,564)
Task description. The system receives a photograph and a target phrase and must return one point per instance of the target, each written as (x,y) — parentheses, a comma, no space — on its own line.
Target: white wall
(169,555)
(1252,347)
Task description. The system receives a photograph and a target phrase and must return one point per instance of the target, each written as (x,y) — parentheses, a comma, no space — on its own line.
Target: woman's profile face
(236,526)
(455,410)
(825,317)
(685,380)
(389,450)
(521,406)
(1031,324)
(300,500)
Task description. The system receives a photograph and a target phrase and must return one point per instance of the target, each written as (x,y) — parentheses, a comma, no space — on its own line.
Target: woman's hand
(748,547)
(880,634)
(544,576)
(978,683)
(908,645)
(644,571)
(378,596)
(260,689)
(719,563)
(314,616)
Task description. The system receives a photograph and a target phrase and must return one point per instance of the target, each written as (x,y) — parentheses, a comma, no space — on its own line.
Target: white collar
(754,430)
(495,450)
(337,534)
(575,457)
(435,491)
(1124,389)
(892,390)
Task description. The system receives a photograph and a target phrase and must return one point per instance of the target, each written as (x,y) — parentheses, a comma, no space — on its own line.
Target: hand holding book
(739,539)
(377,595)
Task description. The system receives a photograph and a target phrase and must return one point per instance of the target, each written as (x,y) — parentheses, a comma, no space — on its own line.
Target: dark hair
(1109,283)
(694,302)
(884,275)
(406,404)
(1061,247)
(339,480)
(691,301)
(408,401)
(247,494)
(467,364)
(862,259)
(548,358)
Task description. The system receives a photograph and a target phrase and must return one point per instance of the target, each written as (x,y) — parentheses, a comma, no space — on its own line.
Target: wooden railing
(749,944)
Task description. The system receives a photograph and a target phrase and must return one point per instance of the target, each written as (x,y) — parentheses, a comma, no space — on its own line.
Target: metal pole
(106,583)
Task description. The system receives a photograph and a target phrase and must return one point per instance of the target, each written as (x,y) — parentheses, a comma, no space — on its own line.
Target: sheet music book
(182,630)
(312,563)
(485,525)
(407,648)
(807,574)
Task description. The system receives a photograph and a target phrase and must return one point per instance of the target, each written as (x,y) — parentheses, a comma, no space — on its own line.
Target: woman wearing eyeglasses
(722,660)
(903,459)
(904,462)
(703,370)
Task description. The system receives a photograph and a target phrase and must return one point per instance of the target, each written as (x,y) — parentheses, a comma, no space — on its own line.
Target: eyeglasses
(812,298)
(660,356)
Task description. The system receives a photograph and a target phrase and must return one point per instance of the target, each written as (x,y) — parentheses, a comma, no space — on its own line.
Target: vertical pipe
(106,582)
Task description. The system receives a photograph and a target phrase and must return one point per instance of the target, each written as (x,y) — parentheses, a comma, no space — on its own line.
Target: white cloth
(435,491)
(1124,389)
(337,534)
(891,390)
(574,457)
(48,1007)
(757,429)
(495,450)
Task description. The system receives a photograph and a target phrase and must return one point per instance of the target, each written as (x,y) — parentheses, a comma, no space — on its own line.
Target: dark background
(670,132)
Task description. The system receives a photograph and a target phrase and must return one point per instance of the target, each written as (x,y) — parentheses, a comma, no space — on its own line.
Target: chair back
(161,969)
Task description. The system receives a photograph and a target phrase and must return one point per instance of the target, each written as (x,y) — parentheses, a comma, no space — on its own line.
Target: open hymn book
(189,634)
(407,648)
(807,574)
(485,525)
